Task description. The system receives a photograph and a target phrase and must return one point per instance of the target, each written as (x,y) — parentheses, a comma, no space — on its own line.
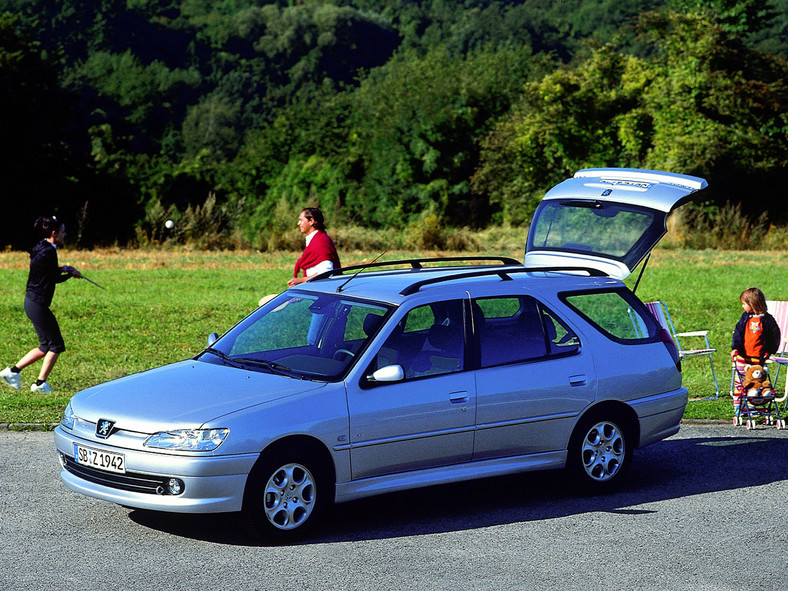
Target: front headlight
(68,417)
(188,439)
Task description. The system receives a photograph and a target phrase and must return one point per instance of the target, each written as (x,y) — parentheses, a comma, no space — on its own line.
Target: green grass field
(160,305)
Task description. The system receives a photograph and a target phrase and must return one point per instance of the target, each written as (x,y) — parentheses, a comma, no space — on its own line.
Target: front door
(426,419)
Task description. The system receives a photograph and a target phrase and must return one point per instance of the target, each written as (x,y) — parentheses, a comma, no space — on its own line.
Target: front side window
(429,340)
(517,329)
(304,335)
(618,314)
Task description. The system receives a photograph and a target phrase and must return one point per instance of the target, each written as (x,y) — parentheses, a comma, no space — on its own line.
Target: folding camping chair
(660,311)
(779,309)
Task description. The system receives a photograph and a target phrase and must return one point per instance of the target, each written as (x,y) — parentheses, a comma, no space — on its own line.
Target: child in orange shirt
(755,337)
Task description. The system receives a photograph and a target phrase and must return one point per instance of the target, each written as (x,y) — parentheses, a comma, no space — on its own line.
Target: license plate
(101,460)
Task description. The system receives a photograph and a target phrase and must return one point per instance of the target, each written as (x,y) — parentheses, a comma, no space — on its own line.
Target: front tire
(600,453)
(284,496)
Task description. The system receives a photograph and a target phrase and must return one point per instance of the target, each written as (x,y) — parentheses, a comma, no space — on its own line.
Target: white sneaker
(11,378)
(42,388)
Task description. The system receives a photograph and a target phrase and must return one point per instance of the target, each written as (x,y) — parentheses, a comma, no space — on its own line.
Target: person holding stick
(45,273)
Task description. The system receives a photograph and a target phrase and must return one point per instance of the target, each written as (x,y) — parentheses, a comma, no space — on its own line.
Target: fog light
(174,486)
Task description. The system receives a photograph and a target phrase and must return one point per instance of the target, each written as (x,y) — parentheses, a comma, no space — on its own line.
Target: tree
(42,155)
(586,115)
(719,109)
(212,127)
(741,17)
(415,129)
(139,101)
(703,104)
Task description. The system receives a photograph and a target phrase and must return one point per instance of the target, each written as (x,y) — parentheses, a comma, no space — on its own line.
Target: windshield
(625,233)
(303,335)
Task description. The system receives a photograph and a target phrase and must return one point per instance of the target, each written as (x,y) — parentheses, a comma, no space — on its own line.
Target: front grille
(130,481)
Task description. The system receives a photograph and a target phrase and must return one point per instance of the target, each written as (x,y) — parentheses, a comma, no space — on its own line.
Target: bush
(204,227)
(723,228)
(210,227)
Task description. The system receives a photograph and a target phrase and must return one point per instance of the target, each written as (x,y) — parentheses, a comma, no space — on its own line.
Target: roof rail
(504,274)
(415,264)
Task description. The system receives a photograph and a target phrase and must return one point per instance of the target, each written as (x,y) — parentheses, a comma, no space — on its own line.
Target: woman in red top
(320,254)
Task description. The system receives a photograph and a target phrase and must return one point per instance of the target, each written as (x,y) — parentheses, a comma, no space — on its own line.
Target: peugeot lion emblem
(104,428)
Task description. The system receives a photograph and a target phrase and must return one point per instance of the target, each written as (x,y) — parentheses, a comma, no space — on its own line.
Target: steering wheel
(345,352)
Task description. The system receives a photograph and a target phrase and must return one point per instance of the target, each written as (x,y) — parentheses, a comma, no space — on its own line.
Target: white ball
(169,224)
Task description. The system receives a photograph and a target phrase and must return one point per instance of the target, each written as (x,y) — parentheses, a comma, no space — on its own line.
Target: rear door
(534,377)
(606,219)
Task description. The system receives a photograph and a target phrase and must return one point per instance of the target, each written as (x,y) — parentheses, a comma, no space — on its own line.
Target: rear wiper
(272,365)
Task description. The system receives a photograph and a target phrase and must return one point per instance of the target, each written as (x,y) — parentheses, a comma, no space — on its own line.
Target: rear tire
(284,496)
(600,452)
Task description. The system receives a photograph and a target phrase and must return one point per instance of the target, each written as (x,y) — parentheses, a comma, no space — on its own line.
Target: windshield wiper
(223,356)
(272,365)
(241,362)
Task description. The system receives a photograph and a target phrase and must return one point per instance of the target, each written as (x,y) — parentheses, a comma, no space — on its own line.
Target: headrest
(371,323)
(529,323)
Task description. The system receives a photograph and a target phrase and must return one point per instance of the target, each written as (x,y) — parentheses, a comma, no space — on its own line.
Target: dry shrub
(724,228)
(208,227)
(358,238)
(430,233)
(203,227)
(282,232)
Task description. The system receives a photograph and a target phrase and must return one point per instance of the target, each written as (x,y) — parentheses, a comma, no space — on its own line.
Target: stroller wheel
(750,424)
(735,421)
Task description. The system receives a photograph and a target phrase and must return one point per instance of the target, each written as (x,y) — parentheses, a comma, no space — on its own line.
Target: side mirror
(390,373)
(212,338)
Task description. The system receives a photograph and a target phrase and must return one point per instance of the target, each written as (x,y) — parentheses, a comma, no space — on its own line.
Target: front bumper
(211,484)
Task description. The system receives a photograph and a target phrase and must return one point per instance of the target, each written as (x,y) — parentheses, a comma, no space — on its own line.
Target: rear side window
(516,329)
(618,314)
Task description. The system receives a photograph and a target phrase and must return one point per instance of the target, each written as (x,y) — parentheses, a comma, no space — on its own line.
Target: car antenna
(341,287)
(640,275)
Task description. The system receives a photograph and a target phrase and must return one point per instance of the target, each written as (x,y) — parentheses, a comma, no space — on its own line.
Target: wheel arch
(609,409)
(302,444)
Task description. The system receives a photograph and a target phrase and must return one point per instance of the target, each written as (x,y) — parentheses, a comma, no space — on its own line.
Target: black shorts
(46,326)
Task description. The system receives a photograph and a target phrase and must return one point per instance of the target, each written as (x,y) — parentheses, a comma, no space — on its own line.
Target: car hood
(182,395)
(605,219)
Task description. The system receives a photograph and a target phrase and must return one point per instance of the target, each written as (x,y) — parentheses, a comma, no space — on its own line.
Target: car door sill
(348,491)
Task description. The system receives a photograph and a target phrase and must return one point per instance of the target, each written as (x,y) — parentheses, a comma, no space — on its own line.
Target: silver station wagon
(405,374)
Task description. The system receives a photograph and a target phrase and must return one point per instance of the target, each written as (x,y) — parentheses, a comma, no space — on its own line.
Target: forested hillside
(231,115)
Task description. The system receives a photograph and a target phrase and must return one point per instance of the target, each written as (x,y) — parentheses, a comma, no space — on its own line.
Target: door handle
(578,380)
(458,397)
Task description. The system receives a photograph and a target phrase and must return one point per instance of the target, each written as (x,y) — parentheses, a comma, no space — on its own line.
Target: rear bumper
(659,415)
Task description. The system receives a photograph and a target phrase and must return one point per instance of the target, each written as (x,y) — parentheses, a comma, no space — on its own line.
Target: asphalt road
(705,509)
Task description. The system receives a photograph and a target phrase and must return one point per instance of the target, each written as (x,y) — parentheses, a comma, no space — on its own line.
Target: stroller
(757,398)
